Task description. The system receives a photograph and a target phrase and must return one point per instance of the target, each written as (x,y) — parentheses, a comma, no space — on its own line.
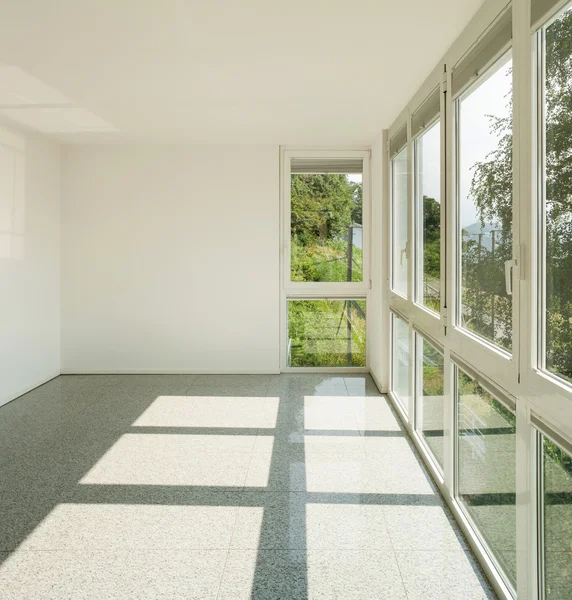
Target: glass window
(400,362)
(428,195)
(326,333)
(326,227)
(557,228)
(485,205)
(399,222)
(486,446)
(430,397)
(557,517)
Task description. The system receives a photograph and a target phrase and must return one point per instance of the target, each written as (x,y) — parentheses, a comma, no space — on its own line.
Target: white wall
(29,262)
(378,344)
(170,259)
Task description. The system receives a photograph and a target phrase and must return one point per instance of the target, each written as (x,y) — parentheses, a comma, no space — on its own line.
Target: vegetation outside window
(556,230)
(430,399)
(428,199)
(486,449)
(326,333)
(326,224)
(484,130)
(556,502)
(326,274)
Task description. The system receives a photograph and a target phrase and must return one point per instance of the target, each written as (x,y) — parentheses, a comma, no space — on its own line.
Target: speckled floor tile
(137,526)
(265,575)
(143,459)
(233,380)
(329,413)
(270,520)
(210,411)
(296,386)
(243,390)
(333,526)
(278,520)
(361,387)
(93,575)
(277,472)
(374,413)
(137,486)
(434,575)
(165,379)
(417,527)
(354,575)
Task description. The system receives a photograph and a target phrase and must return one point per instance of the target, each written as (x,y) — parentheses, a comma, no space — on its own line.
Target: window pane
(326,227)
(430,400)
(399,217)
(487,469)
(326,333)
(557,491)
(558,202)
(400,362)
(428,178)
(485,206)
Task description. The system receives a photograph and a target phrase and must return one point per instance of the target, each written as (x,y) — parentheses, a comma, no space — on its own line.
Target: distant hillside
(472,231)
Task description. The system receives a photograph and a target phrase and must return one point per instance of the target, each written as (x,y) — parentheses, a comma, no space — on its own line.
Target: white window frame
(407,250)
(419,337)
(299,290)
(418,227)
(483,354)
(541,382)
(509,403)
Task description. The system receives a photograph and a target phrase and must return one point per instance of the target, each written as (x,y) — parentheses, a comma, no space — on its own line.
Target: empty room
(285,300)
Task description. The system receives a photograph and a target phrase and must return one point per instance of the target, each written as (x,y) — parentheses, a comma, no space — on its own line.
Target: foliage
(491,190)
(433,380)
(325,261)
(431,251)
(321,207)
(431,237)
(318,331)
(325,211)
(558,455)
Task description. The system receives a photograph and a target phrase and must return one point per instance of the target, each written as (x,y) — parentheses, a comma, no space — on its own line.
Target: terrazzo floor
(220,487)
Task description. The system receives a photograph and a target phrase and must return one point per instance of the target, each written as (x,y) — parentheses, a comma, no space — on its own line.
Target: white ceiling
(219,71)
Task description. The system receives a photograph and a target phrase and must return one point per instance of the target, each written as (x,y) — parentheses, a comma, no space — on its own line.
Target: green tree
(431,237)
(431,248)
(323,207)
(491,190)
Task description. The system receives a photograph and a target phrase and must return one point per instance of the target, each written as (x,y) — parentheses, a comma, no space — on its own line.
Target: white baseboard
(27,389)
(79,371)
(382,389)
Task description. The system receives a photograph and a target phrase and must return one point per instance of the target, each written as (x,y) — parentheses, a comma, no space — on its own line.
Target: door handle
(508,267)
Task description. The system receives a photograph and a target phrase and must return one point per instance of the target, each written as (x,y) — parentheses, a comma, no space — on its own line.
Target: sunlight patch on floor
(210,411)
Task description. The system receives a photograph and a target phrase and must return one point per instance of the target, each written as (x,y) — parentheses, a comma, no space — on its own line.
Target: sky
(490,98)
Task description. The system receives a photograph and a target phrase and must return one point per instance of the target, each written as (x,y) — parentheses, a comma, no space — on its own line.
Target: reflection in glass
(428,193)
(326,333)
(399,225)
(430,397)
(400,362)
(485,205)
(326,227)
(558,196)
(557,502)
(487,469)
